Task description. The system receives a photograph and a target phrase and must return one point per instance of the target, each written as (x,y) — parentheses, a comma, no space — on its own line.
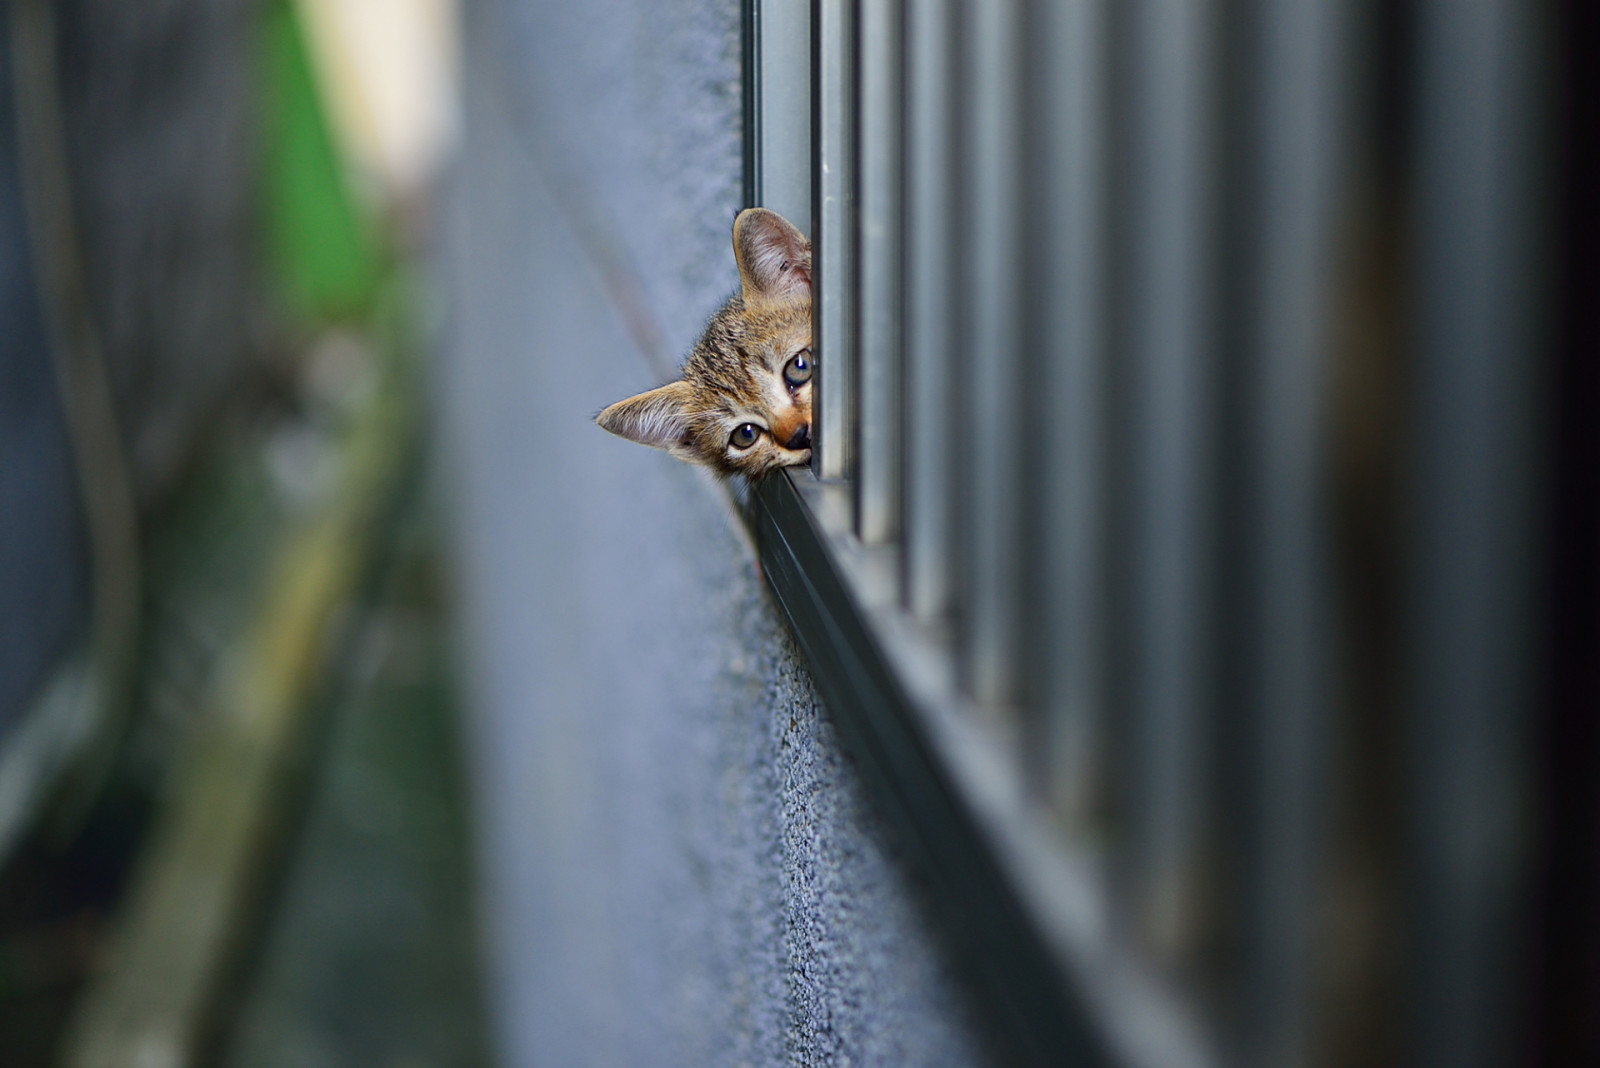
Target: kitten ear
(774,257)
(658,418)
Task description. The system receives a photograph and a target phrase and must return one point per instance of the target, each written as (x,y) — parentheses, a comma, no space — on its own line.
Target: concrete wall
(680,865)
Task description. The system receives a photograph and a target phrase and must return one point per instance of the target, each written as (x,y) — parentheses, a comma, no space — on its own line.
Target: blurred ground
(360,948)
(371,957)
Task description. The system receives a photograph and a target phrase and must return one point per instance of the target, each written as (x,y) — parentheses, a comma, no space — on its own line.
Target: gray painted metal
(1072,289)
(782,83)
(1295,73)
(833,193)
(1480,167)
(879,308)
(989,287)
(1134,330)
(930,411)
(1169,337)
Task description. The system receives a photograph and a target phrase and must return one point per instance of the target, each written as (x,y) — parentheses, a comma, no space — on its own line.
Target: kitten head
(743,405)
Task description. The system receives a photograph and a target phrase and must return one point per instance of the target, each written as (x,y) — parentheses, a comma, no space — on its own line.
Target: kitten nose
(801,438)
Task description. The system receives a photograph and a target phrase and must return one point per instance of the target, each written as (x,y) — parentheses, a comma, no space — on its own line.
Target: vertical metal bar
(833,285)
(879,149)
(783,120)
(1168,334)
(993,278)
(929,413)
(750,88)
(1471,560)
(1296,164)
(1072,292)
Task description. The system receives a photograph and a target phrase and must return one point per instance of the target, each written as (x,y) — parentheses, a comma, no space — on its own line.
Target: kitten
(743,405)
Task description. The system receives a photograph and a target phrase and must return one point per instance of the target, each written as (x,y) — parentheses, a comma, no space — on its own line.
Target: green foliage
(325,252)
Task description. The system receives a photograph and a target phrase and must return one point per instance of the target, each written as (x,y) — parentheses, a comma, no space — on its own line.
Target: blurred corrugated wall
(43,591)
(148,111)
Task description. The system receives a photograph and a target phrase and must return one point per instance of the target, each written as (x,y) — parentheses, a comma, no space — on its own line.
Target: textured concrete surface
(679,864)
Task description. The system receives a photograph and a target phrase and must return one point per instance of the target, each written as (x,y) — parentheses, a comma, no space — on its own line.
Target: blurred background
(233,824)
(361,704)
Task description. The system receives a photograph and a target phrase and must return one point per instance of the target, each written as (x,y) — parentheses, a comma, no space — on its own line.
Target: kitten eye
(744,435)
(797,372)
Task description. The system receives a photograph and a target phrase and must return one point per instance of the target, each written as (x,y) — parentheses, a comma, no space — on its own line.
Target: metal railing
(1169,549)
